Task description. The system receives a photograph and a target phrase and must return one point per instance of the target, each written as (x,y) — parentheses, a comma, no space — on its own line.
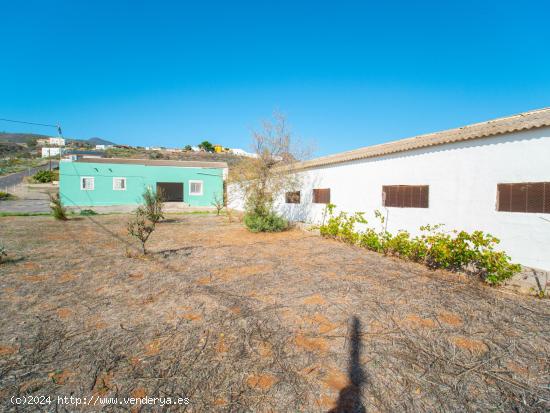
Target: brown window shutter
(519,198)
(535,197)
(405,196)
(546,198)
(531,197)
(321,196)
(504,197)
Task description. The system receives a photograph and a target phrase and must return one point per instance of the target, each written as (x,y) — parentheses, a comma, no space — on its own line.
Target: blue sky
(346,74)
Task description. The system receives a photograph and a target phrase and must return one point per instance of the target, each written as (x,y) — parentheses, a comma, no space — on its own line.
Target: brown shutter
(546,198)
(519,198)
(321,196)
(504,197)
(535,197)
(406,196)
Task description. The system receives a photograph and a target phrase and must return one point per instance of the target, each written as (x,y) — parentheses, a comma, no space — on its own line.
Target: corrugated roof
(523,121)
(156,162)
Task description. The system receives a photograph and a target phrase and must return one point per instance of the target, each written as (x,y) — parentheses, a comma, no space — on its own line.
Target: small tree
(206,146)
(140,227)
(153,205)
(263,178)
(187,148)
(218,203)
(58,211)
(146,217)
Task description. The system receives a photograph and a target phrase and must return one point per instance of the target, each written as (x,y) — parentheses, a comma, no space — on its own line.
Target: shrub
(270,222)
(44,176)
(455,250)
(4,196)
(146,217)
(141,227)
(58,211)
(153,205)
(87,212)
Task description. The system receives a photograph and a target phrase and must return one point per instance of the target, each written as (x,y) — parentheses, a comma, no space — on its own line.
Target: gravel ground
(236,321)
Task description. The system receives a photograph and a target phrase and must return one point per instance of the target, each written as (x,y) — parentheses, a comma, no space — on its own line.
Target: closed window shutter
(535,197)
(527,197)
(321,196)
(406,196)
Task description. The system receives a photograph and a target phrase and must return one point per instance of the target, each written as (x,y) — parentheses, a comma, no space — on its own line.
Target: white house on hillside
(492,176)
(57,141)
(48,152)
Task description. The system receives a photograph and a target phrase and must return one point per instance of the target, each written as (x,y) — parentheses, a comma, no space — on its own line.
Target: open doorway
(171,191)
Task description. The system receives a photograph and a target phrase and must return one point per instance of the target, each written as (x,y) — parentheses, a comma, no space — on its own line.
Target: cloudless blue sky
(346,74)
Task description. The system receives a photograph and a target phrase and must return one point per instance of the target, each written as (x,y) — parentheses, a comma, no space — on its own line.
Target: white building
(241,152)
(102,147)
(48,152)
(57,141)
(492,176)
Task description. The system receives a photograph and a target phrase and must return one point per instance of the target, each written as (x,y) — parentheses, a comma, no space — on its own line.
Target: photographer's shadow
(349,399)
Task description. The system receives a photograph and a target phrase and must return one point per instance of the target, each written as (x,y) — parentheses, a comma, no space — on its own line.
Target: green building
(113,181)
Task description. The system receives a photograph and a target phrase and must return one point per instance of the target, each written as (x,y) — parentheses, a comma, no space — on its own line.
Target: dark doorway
(171,191)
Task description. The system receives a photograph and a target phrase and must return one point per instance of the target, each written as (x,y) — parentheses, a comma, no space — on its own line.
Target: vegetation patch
(44,177)
(6,196)
(452,250)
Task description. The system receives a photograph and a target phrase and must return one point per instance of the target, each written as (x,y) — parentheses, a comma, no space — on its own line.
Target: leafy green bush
(455,250)
(87,212)
(270,222)
(44,177)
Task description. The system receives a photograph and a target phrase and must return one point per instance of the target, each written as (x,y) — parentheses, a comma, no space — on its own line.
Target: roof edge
(514,123)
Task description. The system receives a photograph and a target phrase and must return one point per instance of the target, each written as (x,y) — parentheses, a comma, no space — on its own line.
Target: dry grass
(257,322)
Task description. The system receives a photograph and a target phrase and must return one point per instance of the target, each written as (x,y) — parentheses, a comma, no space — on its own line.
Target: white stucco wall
(463,180)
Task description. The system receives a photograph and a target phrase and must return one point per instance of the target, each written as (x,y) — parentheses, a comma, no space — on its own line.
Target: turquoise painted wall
(138,178)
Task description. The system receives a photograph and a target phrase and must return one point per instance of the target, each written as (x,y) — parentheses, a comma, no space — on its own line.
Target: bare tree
(218,203)
(261,179)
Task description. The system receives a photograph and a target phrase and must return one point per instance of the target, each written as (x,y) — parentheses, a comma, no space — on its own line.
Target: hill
(30,139)
(99,141)
(27,138)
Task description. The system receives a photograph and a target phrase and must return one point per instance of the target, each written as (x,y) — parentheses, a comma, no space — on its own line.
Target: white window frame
(82,183)
(196,193)
(119,189)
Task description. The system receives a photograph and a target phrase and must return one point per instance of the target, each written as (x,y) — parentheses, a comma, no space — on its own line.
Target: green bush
(45,177)
(4,196)
(87,212)
(270,222)
(455,250)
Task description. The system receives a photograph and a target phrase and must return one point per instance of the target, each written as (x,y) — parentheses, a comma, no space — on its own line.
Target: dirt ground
(240,322)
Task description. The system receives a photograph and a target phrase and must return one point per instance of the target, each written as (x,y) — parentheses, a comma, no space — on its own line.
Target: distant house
(56,141)
(49,152)
(76,154)
(102,147)
(241,152)
(114,181)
